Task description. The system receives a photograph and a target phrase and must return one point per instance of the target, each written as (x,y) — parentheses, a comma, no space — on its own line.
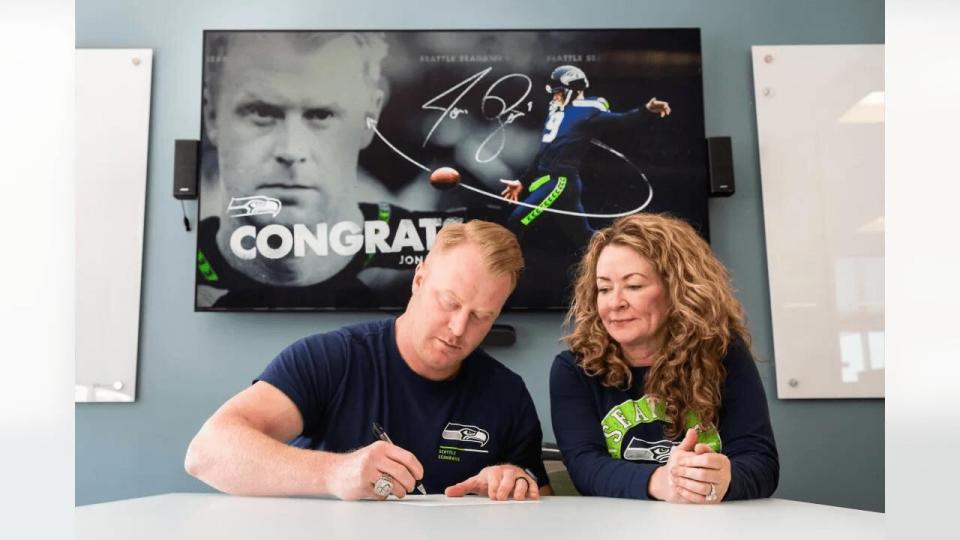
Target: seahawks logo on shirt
(465,433)
(641,450)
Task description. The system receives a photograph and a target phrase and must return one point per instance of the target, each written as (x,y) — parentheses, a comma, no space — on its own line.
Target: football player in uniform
(553,178)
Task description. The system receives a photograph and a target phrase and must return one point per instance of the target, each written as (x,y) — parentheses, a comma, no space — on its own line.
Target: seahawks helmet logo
(253,206)
(567,78)
(461,432)
(641,450)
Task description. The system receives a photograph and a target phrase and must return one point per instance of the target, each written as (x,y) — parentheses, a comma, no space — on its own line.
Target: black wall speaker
(185,172)
(720,159)
(501,335)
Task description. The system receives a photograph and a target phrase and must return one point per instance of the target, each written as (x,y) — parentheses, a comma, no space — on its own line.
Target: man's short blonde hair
(499,246)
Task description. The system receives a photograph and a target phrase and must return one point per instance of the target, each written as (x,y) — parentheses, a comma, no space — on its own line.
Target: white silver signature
(504,115)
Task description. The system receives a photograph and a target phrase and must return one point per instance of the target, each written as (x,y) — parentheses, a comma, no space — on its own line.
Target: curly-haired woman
(658,396)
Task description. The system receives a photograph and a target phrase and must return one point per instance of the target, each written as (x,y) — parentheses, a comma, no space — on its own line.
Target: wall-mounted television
(317,149)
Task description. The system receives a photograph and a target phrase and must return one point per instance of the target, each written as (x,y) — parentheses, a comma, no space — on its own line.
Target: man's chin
(446,356)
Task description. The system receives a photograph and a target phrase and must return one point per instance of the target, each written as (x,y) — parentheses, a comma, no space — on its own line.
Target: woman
(658,396)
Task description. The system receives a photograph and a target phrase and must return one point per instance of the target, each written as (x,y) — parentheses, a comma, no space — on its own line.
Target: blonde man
(459,421)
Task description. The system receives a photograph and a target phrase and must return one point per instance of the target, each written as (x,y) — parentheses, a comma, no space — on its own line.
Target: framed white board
(112,129)
(820,112)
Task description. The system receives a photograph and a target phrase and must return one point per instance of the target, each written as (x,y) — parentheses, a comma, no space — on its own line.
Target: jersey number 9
(553,125)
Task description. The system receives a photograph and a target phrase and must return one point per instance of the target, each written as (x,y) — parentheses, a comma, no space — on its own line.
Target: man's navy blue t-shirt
(344,381)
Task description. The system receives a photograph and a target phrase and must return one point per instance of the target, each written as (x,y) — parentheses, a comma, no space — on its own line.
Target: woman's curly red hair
(704,318)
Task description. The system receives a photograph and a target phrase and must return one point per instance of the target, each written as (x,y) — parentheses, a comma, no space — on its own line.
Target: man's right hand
(658,107)
(512,191)
(355,474)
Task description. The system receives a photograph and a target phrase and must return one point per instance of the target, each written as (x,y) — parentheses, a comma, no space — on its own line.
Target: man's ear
(373,113)
(209,117)
(418,276)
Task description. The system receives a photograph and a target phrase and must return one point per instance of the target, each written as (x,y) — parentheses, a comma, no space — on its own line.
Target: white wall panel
(112,127)
(820,129)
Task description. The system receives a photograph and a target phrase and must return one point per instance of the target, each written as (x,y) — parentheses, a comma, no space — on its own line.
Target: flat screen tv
(317,150)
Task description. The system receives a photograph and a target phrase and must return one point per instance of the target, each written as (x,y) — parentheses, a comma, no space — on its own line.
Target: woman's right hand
(661,486)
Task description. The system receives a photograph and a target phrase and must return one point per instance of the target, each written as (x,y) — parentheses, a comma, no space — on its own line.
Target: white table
(185,516)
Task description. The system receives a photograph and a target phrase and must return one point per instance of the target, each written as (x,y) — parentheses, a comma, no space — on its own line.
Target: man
(552,181)
(286,113)
(460,421)
(285,117)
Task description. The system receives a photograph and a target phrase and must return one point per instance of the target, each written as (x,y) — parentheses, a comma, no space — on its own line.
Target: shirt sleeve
(526,449)
(744,424)
(309,371)
(605,120)
(581,439)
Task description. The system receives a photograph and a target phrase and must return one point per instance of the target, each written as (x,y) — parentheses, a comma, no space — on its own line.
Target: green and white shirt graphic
(646,410)
(461,434)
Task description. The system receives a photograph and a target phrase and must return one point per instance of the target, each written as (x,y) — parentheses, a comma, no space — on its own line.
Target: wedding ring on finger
(383,486)
(712,496)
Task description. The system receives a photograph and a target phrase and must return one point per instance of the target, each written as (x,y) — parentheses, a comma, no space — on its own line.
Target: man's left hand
(499,483)
(658,107)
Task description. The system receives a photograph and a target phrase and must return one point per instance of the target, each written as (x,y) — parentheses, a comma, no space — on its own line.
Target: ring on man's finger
(383,486)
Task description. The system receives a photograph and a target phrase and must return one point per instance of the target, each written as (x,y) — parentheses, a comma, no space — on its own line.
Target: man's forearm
(235,458)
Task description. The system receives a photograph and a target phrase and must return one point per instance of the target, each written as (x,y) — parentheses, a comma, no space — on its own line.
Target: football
(444,178)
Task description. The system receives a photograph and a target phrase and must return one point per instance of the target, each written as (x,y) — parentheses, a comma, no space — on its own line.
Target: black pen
(379,433)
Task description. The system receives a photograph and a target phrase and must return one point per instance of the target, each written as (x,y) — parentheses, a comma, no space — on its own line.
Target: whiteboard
(820,119)
(112,128)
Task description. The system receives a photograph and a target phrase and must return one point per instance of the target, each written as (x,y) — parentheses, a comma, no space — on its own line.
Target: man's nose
(292,144)
(458,323)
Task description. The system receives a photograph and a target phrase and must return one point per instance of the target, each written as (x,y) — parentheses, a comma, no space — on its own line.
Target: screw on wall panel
(768,58)
(794,383)
(117,385)
(768,92)
(136,60)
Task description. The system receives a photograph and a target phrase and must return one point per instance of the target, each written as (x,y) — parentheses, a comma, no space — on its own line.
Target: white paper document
(443,500)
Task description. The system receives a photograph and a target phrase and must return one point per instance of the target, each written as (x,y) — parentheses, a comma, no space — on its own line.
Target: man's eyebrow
(331,106)
(482,314)
(451,294)
(245,103)
(456,298)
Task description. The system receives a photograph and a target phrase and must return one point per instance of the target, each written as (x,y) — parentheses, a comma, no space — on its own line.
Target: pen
(379,433)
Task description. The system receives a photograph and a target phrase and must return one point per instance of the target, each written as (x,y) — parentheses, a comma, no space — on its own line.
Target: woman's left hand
(701,477)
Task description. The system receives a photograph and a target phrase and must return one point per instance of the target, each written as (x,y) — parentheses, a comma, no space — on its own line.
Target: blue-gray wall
(831,450)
